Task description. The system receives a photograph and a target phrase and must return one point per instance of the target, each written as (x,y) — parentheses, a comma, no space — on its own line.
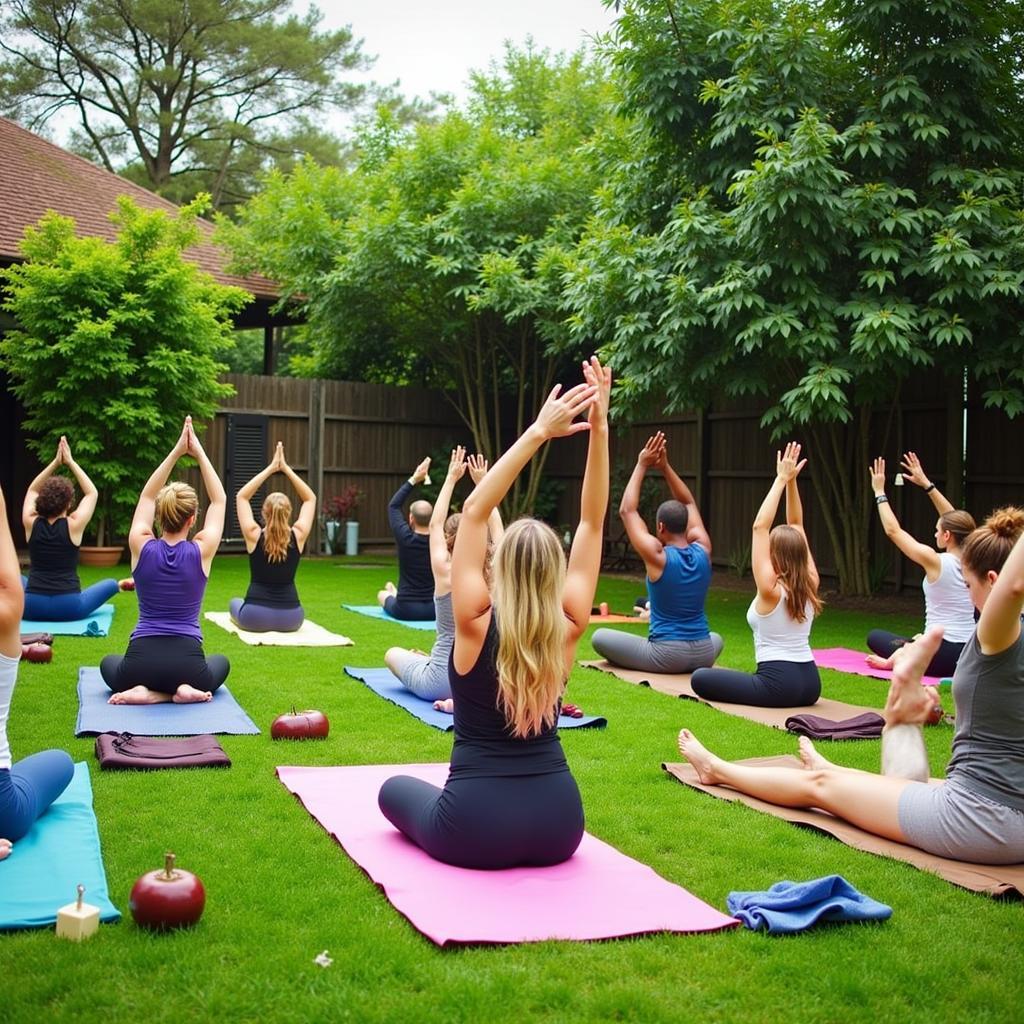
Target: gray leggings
(262,618)
(629,651)
(423,676)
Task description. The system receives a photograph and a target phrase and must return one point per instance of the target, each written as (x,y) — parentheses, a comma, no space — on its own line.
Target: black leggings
(776,684)
(411,611)
(886,644)
(503,822)
(163,663)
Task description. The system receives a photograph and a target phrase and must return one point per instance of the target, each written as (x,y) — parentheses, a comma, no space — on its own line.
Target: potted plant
(116,344)
(342,508)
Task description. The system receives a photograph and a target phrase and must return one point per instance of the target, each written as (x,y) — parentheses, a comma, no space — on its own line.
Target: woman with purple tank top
(165,659)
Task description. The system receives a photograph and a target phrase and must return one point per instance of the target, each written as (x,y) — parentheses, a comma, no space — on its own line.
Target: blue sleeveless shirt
(677,597)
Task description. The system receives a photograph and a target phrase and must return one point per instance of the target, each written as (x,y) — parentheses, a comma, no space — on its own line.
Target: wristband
(929,489)
(881,499)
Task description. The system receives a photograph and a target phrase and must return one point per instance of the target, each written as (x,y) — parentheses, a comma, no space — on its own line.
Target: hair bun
(1007,522)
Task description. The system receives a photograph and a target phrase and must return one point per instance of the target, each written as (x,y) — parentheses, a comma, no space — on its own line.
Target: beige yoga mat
(679,686)
(613,618)
(308,635)
(994,880)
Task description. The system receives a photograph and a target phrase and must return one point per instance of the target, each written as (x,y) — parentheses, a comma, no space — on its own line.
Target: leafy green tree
(190,96)
(116,345)
(438,260)
(816,201)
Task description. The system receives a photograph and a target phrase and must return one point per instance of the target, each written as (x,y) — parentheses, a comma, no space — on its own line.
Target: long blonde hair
(174,504)
(791,560)
(277,514)
(526,592)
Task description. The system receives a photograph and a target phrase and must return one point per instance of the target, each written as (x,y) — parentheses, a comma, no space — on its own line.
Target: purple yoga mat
(842,659)
(598,893)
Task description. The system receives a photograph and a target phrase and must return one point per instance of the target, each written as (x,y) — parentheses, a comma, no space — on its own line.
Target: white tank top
(8,677)
(777,637)
(947,602)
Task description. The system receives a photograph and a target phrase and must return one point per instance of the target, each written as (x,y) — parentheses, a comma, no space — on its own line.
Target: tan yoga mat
(994,880)
(308,635)
(613,618)
(679,686)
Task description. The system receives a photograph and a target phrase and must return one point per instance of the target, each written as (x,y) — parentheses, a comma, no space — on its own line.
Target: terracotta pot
(100,556)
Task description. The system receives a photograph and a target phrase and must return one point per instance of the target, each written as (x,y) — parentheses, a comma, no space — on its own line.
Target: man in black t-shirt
(414,598)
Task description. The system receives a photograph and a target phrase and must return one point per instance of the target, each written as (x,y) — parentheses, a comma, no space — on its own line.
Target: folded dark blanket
(867,726)
(141,753)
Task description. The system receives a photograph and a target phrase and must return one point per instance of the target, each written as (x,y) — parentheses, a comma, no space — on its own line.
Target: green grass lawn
(280,890)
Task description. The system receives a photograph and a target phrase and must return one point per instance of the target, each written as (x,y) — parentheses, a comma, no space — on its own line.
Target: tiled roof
(36,176)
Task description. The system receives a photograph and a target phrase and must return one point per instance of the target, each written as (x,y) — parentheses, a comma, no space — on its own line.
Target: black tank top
(484,744)
(54,558)
(273,583)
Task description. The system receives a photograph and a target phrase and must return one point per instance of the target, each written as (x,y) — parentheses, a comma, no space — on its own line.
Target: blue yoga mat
(97,624)
(223,714)
(374,611)
(61,852)
(385,685)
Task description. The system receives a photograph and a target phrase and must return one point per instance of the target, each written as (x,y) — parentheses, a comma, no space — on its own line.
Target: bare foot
(186,694)
(699,756)
(810,757)
(126,584)
(877,661)
(5,848)
(447,706)
(910,703)
(139,695)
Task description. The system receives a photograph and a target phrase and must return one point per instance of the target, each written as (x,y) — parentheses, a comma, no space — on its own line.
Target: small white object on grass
(323,960)
(78,920)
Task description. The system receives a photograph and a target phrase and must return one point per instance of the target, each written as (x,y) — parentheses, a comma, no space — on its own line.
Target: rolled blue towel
(795,906)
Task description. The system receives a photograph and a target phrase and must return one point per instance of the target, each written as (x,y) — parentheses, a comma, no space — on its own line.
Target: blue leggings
(28,789)
(263,618)
(67,607)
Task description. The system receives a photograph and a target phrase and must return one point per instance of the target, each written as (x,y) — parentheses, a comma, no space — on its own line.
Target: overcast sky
(432,46)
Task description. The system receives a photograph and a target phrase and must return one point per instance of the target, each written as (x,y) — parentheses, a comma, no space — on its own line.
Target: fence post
(701,471)
(316,452)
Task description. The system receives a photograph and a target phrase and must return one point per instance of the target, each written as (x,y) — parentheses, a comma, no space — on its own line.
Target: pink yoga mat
(598,893)
(842,659)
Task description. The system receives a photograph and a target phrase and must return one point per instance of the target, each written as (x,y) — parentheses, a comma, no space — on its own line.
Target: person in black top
(510,799)
(272,602)
(414,597)
(53,592)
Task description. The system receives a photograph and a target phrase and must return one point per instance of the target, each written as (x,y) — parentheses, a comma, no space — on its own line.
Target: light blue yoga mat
(223,714)
(97,624)
(385,685)
(61,852)
(374,611)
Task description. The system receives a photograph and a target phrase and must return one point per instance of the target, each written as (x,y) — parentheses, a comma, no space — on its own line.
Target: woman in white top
(946,600)
(783,610)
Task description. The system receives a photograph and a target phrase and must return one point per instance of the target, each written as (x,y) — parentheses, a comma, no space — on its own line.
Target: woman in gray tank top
(426,675)
(977,813)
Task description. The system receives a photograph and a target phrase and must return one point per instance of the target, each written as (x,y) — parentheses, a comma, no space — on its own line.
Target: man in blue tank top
(678,561)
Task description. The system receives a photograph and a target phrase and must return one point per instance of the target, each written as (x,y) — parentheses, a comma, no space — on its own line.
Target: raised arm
(999,625)
(243,507)
(83,513)
(695,530)
(439,557)
(28,508)
(208,538)
(396,517)
(644,543)
(587,543)
(795,518)
(925,556)
(12,595)
(914,472)
(142,522)
(307,510)
(477,467)
(470,597)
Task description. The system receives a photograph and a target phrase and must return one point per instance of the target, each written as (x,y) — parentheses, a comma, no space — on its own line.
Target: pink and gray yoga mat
(842,659)
(599,893)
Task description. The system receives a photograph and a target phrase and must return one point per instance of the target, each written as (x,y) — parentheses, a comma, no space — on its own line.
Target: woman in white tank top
(781,613)
(946,600)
